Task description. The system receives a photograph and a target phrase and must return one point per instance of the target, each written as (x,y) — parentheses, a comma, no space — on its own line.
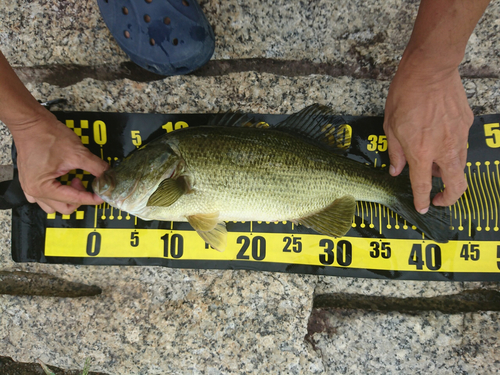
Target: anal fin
(335,220)
(204,222)
(216,237)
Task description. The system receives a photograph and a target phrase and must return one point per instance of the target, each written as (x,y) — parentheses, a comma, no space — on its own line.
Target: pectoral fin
(335,220)
(217,237)
(168,192)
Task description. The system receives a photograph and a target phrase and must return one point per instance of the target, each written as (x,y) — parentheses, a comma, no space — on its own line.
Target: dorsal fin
(319,123)
(235,119)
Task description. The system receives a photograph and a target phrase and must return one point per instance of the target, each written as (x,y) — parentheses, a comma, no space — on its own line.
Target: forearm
(18,108)
(441,32)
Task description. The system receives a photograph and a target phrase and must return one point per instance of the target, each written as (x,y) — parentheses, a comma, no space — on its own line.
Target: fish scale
(262,174)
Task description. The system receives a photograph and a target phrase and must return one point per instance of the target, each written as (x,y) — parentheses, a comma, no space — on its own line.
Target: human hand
(427,121)
(46,150)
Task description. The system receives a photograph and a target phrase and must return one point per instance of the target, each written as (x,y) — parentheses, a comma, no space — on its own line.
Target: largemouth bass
(240,172)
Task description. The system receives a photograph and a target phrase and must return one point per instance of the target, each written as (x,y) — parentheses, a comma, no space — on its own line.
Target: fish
(238,169)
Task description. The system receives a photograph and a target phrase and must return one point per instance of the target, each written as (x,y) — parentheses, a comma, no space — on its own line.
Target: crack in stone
(67,75)
(10,367)
(463,302)
(20,283)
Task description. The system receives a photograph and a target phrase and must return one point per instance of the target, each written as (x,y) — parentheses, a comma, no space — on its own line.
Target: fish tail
(435,224)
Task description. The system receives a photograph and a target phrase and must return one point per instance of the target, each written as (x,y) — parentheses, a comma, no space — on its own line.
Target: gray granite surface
(152,320)
(359,342)
(352,33)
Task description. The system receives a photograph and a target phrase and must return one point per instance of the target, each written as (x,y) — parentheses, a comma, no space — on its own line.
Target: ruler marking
(372,217)
(380,217)
(362,215)
(469,190)
(463,205)
(452,208)
(489,189)
(480,210)
(459,209)
(497,187)
(471,186)
(483,195)
(469,211)
(368,216)
(491,192)
(96,208)
(490,202)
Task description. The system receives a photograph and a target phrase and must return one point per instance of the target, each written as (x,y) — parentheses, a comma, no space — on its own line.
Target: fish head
(129,185)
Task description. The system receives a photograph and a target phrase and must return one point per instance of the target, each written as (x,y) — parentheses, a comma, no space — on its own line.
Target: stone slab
(360,342)
(354,34)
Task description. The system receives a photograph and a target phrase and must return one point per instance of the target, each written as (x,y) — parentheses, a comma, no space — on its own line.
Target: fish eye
(116,162)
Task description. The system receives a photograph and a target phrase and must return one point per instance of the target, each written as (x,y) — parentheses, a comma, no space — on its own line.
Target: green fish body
(211,174)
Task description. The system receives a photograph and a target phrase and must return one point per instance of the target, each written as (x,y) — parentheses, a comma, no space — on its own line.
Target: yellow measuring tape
(301,249)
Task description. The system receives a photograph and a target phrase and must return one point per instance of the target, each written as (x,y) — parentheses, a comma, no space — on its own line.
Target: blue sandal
(167,37)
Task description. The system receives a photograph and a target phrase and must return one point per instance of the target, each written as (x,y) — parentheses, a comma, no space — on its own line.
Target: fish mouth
(104,185)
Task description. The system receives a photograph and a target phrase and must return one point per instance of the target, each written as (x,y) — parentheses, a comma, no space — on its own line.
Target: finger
(93,164)
(77,184)
(396,154)
(51,206)
(68,194)
(54,191)
(45,207)
(64,208)
(421,184)
(30,198)
(455,185)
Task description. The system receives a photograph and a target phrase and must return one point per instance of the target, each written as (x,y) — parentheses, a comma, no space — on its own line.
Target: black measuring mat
(380,244)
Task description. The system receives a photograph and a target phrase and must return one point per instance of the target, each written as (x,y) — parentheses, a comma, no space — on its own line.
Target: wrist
(427,62)
(24,125)
(419,67)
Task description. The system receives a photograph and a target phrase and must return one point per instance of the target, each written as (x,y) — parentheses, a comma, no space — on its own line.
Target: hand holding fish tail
(430,132)
(427,116)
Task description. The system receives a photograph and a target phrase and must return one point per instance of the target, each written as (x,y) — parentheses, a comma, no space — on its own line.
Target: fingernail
(424,211)
(392,170)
